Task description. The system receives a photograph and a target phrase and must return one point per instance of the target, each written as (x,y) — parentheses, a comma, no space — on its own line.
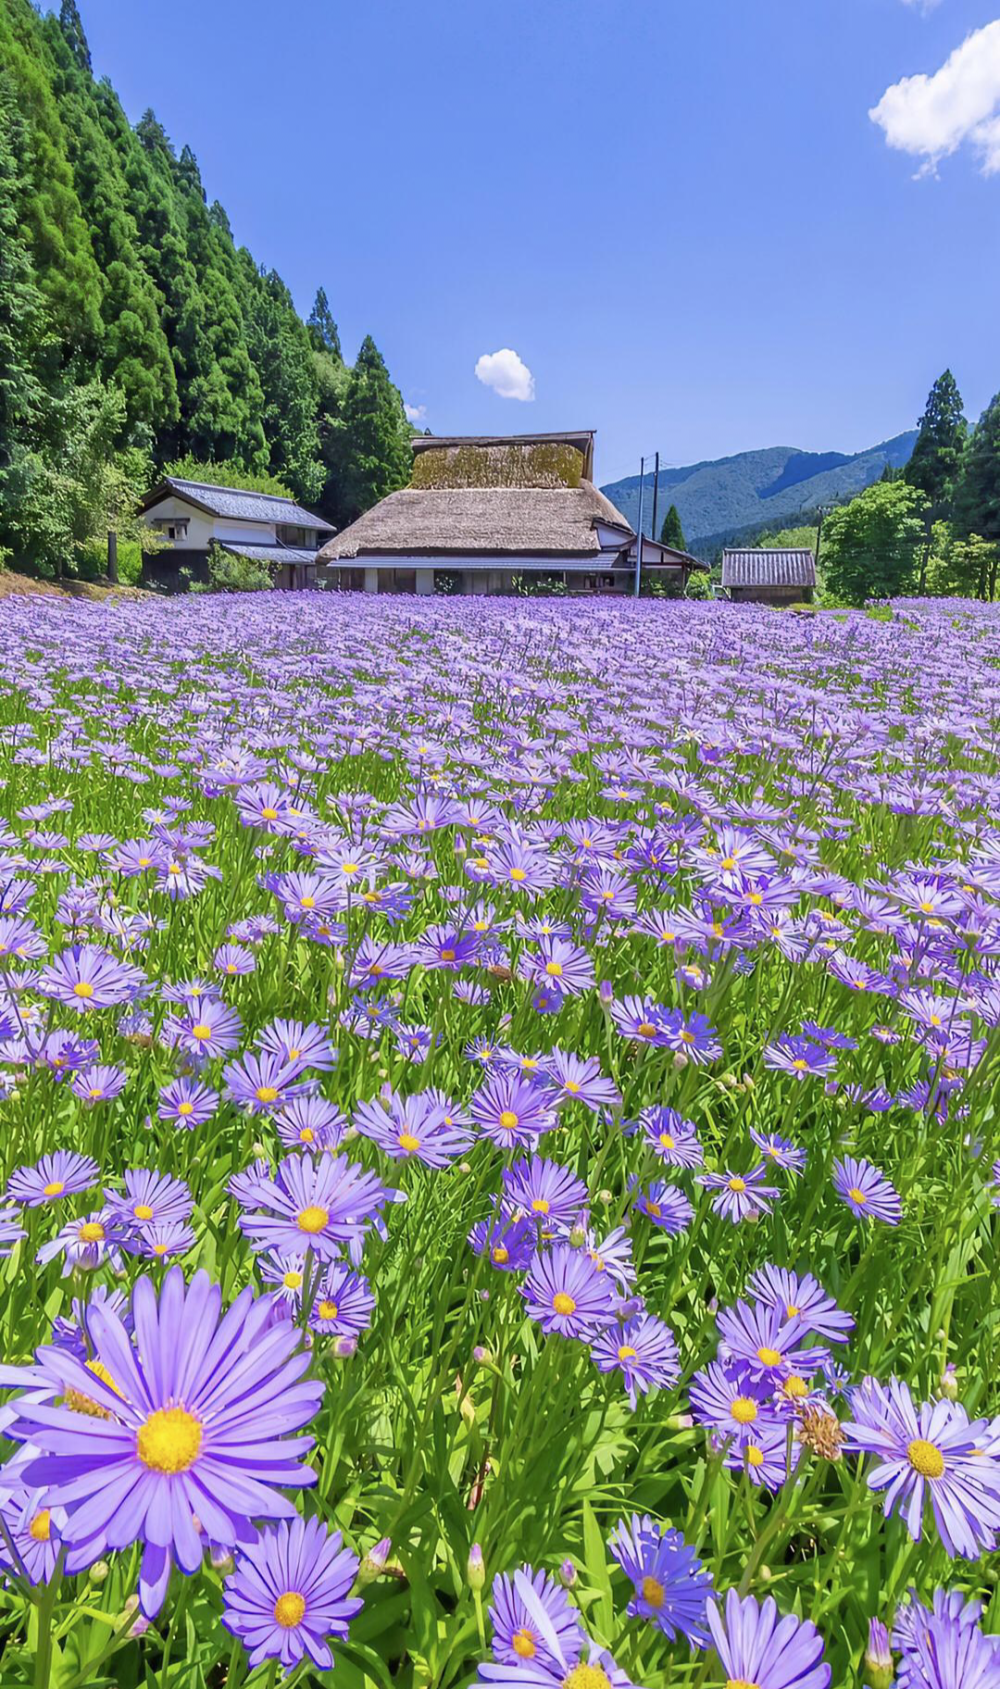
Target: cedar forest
(136,336)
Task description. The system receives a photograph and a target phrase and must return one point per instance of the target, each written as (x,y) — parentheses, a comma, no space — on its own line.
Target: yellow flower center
(306,1135)
(95,1093)
(56,1188)
(795,1386)
(308,903)
(856,1195)
(292,1281)
(800,1065)
(501,1255)
(185,1108)
(563,1303)
(82,988)
(769,1357)
(312,1219)
(626,1353)
(91,1232)
(408,1142)
(523,1644)
(40,1529)
(737,1184)
(586,1677)
(539,1205)
(646,1029)
(327,1310)
(925,1458)
(553,969)
(289,1609)
(791,1309)
(269,814)
(666,1140)
(266,1093)
(508,1120)
(201,1031)
(169,1440)
(741,1682)
(755,1456)
(518,874)
(653,1592)
(744,1410)
(143,1212)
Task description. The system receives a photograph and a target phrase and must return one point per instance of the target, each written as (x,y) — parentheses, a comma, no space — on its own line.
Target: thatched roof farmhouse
(482,511)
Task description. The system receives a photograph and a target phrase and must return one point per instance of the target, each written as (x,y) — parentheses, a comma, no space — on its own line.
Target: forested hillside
(134,332)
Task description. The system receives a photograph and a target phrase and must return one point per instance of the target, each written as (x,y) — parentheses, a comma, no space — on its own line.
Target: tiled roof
(235,503)
(271,553)
(768,568)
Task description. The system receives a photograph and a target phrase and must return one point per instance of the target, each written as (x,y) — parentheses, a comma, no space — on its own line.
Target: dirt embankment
(24,586)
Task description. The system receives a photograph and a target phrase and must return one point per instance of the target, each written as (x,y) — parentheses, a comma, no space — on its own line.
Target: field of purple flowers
(498,1122)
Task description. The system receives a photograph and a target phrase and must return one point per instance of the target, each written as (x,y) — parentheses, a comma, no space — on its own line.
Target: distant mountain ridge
(727,497)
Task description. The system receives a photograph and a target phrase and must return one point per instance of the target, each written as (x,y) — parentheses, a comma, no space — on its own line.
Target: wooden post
(112,557)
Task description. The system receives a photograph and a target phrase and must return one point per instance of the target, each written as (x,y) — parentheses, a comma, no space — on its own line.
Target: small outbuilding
(772,575)
(192,516)
(492,514)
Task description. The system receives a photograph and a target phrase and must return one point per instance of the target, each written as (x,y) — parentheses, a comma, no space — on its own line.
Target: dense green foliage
(671,531)
(871,547)
(135,333)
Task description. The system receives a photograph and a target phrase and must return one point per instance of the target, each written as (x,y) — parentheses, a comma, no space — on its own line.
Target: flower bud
(345,1347)
(98,1571)
(481,1355)
(577,1237)
(567,1574)
(606,1196)
(475,1570)
(879,1670)
(949,1382)
(680,1059)
(223,1561)
(606,993)
(374,1562)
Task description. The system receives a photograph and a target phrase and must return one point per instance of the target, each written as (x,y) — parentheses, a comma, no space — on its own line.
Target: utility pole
(638,539)
(656,495)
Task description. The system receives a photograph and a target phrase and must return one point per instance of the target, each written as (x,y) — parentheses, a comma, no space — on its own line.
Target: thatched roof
(469,521)
(779,566)
(581,440)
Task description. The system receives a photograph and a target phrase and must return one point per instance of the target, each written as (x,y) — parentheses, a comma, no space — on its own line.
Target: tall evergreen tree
(375,452)
(323,331)
(279,345)
(672,533)
(977,500)
(72,30)
(937,454)
(22,330)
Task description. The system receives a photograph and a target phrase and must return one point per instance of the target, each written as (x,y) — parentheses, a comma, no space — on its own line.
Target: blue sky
(678,213)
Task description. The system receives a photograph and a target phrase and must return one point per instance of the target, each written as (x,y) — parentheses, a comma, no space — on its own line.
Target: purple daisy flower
(765,1455)
(262,1083)
(757,1646)
(344,1304)
(801,1296)
(562,964)
(544,1652)
(187,1102)
(641,1020)
(412,1128)
(11,1230)
(546,1190)
(86,1244)
(731,1401)
(316,1204)
(150,1198)
(193,1416)
(159,1239)
(673,1138)
(98,1084)
(781,1151)
(741,1196)
(513,1111)
(566,1294)
(799,1057)
(672,1589)
(64,1173)
(759,1337)
(933,1452)
(518,1636)
(207,1027)
(667,1206)
(289,1592)
(950,1655)
(234,959)
(579,1079)
(866,1191)
(299,1044)
(643,1350)
(310,1122)
(509,1242)
(87,977)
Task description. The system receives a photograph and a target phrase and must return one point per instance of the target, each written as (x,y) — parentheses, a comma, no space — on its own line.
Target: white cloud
(415,413)
(507,374)
(930,116)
